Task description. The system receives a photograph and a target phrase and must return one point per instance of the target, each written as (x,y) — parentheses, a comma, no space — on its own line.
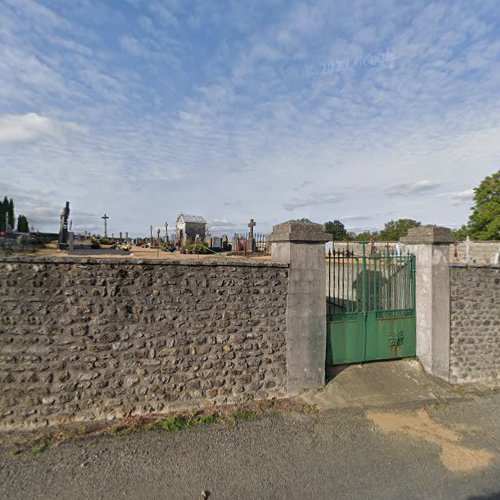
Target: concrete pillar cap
(296,230)
(429,234)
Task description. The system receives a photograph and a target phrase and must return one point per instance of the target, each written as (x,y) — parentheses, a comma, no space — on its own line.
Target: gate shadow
(332,371)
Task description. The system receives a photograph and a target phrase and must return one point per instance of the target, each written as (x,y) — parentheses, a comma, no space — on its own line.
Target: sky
(361,111)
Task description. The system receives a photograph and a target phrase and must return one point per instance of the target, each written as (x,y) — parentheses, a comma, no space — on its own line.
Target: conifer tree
(10,212)
(2,216)
(22,224)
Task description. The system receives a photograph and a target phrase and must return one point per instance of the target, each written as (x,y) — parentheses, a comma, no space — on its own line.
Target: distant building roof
(191,218)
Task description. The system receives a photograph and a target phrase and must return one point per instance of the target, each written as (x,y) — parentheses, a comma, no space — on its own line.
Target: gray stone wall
(475,323)
(84,339)
(475,252)
(472,252)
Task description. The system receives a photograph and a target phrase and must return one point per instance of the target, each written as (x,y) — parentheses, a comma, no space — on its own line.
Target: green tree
(22,224)
(460,234)
(367,236)
(10,212)
(484,222)
(2,216)
(336,229)
(395,229)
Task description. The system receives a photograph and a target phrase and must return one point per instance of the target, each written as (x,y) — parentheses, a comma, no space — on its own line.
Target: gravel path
(332,454)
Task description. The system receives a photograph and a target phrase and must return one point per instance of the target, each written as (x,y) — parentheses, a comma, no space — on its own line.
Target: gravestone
(63,228)
(236,243)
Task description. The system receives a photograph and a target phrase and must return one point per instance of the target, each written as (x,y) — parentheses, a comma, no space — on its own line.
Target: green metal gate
(370,306)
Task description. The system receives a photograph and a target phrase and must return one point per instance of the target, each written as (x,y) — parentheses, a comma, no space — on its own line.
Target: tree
(395,229)
(22,224)
(6,214)
(336,229)
(484,222)
(10,212)
(366,236)
(460,234)
(2,216)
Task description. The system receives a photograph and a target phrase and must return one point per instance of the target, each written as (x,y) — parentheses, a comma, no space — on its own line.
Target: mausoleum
(190,228)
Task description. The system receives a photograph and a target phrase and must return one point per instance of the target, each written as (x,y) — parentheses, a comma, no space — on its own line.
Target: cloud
(313,200)
(223,226)
(302,185)
(409,188)
(32,126)
(458,197)
(357,217)
(131,45)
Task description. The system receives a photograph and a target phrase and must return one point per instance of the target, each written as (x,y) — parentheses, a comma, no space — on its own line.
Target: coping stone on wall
(138,262)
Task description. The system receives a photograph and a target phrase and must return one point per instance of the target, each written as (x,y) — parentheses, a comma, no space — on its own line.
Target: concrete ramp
(385,383)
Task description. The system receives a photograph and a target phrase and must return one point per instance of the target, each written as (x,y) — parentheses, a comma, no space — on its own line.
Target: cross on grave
(105,218)
(251,241)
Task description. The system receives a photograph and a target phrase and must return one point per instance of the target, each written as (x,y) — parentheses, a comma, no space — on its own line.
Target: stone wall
(473,252)
(475,323)
(84,339)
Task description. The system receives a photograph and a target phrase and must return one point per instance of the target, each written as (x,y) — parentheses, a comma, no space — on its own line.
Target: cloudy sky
(362,111)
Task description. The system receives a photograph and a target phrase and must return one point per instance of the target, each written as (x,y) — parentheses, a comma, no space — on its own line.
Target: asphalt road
(332,454)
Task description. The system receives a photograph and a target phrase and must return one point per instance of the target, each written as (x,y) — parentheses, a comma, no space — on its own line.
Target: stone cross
(105,219)
(251,225)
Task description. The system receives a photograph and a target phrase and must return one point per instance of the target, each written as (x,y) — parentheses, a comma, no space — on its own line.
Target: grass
(244,415)
(207,420)
(439,403)
(310,408)
(116,431)
(38,450)
(126,429)
(230,415)
(175,423)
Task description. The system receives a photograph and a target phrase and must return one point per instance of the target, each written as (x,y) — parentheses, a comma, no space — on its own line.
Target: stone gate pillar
(430,245)
(302,246)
